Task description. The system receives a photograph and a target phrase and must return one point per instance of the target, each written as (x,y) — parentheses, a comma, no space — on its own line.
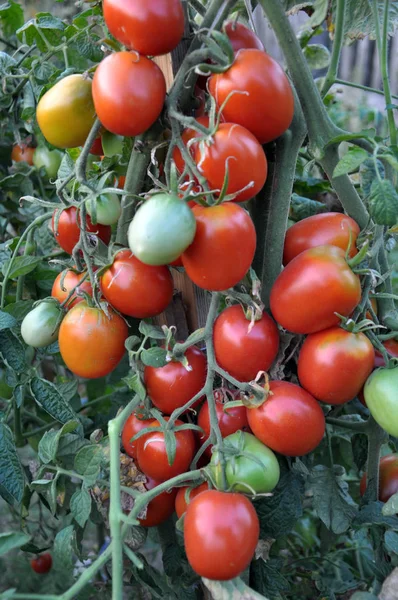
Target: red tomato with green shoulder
(152,456)
(159,508)
(241,37)
(136,289)
(392,348)
(42,564)
(388,478)
(181,502)
(334,364)
(290,421)
(71,280)
(91,343)
(265,105)
(129,91)
(152,27)
(133,425)
(68,231)
(234,150)
(173,385)
(22,153)
(381,397)
(221,532)
(330,228)
(223,248)
(312,288)
(240,349)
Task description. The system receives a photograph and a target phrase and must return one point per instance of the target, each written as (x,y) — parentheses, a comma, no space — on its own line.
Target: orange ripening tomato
(71,280)
(92,344)
(136,289)
(68,231)
(129,91)
(334,364)
(180,501)
(388,478)
(159,508)
(332,229)
(241,37)
(22,153)
(265,105)
(133,425)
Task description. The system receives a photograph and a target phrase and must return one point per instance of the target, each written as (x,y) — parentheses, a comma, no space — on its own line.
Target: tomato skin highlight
(136,289)
(381,397)
(68,232)
(180,502)
(171,386)
(320,230)
(313,287)
(22,153)
(129,91)
(233,147)
(153,27)
(267,105)
(66,113)
(241,37)
(92,345)
(334,364)
(290,421)
(152,455)
(133,425)
(221,532)
(42,564)
(223,248)
(388,478)
(240,353)
(71,280)
(159,508)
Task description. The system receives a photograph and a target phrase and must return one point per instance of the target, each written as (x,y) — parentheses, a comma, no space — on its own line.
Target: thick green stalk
(387,309)
(376,437)
(331,74)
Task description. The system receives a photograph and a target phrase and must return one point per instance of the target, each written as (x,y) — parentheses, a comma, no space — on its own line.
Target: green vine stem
(387,309)
(81,163)
(27,252)
(365,88)
(376,438)
(331,74)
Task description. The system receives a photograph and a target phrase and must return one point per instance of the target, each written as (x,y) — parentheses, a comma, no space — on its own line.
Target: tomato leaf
(11,17)
(367,174)
(383,202)
(301,207)
(65,548)
(391,541)
(21,265)
(154,357)
(12,350)
(87,463)
(135,384)
(48,445)
(332,502)
(19,309)
(371,514)
(49,398)
(391,506)
(267,578)
(353,158)
(317,56)
(151,331)
(6,320)
(12,475)
(80,506)
(11,540)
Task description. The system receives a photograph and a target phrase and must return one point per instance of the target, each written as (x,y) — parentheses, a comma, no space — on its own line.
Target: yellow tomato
(65,113)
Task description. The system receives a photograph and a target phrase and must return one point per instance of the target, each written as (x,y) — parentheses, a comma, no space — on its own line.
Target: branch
(331,74)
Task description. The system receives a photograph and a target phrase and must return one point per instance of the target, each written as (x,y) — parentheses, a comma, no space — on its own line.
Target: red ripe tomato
(320,230)
(290,421)
(388,478)
(152,455)
(171,386)
(152,27)
(161,507)
(22,153)
(266,105)
(71,280)
(223,248)
(240,352)
(334,364)
(241,37)
(91,344)
(229,420)
(187,135)
(129,91)
(133,425)
(68,232)
(181,503)
(392,347)
(312,288)
(97,148)
(136,289)
(220,534)
(121,182)
(235,149)
(42,564)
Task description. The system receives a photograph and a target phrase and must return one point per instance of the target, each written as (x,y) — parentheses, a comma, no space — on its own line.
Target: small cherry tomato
(241,37)
(42,564)
(71,280)
(312,288)
(332,229)
(173,385)
(40,326)
(133,425)
(334,364)
(22,153)
(136,289)
(161,507)
(107,209)
(388,478)
(290,421)
(152,456)
(181,502)
(68,231)
(220,534)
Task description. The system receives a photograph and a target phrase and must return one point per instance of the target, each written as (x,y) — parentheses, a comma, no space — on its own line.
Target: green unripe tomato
(381,397)
(40,326)
(162,228)
(107,209)
(48,159)
(255,469)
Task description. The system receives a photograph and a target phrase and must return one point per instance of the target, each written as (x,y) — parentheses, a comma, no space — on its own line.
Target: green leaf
(332,502)
(391,542)
(234,589)
(135,384)
(353,158)
(267,578)
(151,331)
(12,476)
(132,342)
(11,17)
(154,357)
(391,506)
(359,21)
(317,56)
(80,506)
(383,202)
(48,397)
(21,265)
(301,207)
(371,515)
(6,320)
(64,548)
(11,540)
(19,309)
(68,389)
(12,350)
(88,462)
(367,174)
(392,160)
(48,445)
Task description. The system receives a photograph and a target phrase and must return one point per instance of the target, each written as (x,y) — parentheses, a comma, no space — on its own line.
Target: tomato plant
(133,425)
(388,480)
(181,502)
(67,231)
(40,326)
(42,564)
(381,397)
(67,281)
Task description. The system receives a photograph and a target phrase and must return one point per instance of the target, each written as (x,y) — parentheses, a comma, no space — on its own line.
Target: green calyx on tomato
(381,397)
(105,209)
(40,326)
(251,467)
